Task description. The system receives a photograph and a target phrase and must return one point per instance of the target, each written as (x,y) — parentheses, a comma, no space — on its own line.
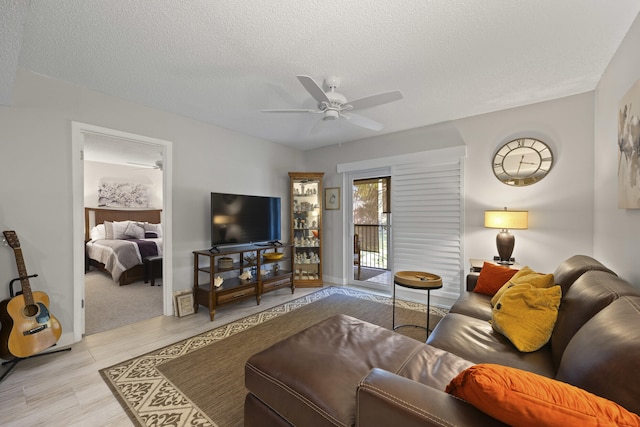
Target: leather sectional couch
(361,374)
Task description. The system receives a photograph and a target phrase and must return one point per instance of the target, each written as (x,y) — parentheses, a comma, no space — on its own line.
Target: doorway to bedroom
(122,173)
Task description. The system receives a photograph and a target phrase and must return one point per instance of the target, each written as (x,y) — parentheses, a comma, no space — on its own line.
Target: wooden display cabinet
(306,227)
(253,258)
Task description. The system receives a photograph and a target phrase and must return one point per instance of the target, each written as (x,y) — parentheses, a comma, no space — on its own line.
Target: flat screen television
(238,219)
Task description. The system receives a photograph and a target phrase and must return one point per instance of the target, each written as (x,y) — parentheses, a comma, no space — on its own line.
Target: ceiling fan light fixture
(331,115)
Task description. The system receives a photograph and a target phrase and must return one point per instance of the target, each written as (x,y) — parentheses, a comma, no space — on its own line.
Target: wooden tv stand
(249,257)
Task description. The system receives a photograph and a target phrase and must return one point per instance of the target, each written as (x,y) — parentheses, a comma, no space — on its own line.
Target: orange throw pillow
(522,398)
(492,278)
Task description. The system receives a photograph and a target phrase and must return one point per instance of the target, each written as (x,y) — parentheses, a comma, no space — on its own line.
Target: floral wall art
(116,193)
(629,149)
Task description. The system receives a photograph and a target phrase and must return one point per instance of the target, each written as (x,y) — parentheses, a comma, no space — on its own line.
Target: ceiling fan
(156,165)
(333,105)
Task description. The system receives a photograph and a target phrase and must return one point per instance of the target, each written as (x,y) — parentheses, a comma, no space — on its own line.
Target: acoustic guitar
(27,326)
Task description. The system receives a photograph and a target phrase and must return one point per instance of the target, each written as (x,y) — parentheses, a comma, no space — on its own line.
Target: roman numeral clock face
(522,162)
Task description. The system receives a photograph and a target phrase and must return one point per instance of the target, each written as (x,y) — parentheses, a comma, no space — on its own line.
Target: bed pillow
(526,315)
(517,397)
(119,229)
(525,275)
(134,231)
(153,228)
(108,230)
(97,232)
(492,277)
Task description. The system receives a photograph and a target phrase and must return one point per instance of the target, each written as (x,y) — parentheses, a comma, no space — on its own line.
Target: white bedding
(118,255)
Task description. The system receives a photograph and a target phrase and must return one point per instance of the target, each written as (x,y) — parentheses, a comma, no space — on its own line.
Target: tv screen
(238,219)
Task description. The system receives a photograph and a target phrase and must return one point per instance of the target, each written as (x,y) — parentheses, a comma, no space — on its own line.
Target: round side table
(415,280)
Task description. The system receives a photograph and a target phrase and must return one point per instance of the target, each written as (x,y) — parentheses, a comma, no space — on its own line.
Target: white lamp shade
(506,220)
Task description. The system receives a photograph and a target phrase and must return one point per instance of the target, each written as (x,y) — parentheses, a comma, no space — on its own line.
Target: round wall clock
(523,161)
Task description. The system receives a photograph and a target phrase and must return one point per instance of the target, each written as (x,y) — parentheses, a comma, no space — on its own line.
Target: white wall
(36,190)
(617,231)
(560,206)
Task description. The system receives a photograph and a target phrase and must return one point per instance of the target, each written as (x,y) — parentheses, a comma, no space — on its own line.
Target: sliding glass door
(371,221)
(370,225)
(424,233)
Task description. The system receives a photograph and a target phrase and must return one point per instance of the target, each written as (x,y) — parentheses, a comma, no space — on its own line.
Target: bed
(115,244)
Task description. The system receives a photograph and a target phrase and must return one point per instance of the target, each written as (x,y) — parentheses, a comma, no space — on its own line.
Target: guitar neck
(24,280)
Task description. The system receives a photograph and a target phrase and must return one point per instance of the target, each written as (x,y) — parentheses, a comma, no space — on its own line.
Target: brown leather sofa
(346,372)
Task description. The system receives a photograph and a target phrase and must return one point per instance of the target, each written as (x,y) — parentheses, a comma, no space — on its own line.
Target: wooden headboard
(95,216)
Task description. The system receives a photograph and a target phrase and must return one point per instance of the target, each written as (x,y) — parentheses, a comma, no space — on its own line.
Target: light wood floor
(65,389)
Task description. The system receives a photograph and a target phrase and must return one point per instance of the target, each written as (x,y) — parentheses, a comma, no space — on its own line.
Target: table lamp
(506,220)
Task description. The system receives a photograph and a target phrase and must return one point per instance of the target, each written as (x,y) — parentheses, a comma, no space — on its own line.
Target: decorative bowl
(225,262)
(272,256)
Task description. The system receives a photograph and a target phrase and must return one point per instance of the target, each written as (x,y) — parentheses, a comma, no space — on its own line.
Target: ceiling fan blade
(291,110)
(145,165)
(375,100)
(363,122)
(318,126)
(314,89)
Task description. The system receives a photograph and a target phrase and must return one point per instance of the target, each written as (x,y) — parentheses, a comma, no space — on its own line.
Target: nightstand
(477,263)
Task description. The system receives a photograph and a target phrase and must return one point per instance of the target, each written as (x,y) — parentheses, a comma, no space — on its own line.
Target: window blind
(427,222)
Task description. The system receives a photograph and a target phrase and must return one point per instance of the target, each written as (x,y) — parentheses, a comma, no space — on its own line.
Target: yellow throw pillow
(525,275)
(526,315)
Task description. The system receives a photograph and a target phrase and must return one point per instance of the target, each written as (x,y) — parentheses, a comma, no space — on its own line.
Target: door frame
(78,132)
(349,177)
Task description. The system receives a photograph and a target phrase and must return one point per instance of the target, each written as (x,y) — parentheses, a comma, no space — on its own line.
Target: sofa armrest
(385,399)
(472,279)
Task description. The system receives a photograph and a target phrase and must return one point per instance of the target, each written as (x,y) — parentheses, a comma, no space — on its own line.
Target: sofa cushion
(475,340)
(526,315)
(522,398)
(492,277)
(389,400)
(433,367)
(524,276)
(474,305)
(574,267)
(602,357)
(589,294)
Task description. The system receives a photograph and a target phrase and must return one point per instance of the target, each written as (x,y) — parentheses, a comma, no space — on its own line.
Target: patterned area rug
(199,381)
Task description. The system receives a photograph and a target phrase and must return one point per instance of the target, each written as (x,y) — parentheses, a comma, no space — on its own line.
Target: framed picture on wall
(332,198)
(628,149)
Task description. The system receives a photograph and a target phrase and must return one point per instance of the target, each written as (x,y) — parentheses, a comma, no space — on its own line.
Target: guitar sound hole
(30,310)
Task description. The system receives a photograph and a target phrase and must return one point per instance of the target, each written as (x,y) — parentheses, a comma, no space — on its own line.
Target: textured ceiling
(223,61)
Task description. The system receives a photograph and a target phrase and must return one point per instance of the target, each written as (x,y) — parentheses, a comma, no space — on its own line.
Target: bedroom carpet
(200,380)
(109,306)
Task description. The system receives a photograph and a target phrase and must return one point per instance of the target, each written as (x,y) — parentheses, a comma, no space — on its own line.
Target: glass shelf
(306,228)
